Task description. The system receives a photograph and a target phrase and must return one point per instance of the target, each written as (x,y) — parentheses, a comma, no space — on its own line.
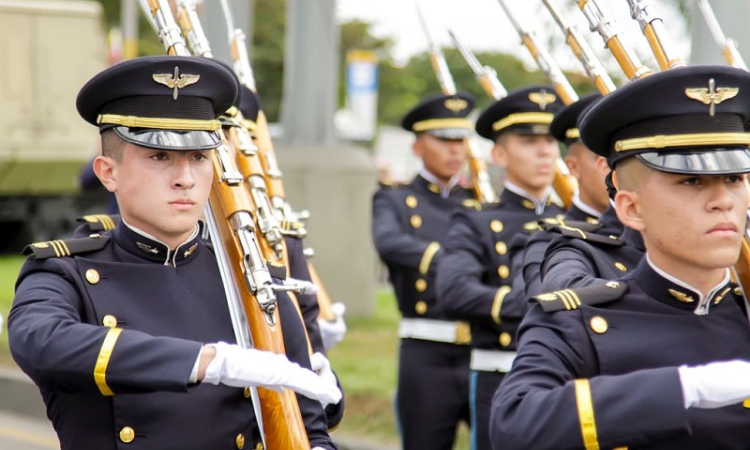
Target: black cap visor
(714,161)
(170,139)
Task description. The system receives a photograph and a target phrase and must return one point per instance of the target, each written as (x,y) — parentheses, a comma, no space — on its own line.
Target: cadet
(128,333)
(589,202)
(474,276)
(409,225)
(661,358)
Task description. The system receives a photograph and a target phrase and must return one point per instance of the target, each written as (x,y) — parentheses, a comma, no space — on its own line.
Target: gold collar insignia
(681,296)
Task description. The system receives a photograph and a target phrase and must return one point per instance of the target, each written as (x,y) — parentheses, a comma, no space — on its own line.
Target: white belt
(435,330)
(491,360)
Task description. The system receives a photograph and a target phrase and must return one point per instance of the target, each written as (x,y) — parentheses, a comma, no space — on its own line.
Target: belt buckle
(463,333)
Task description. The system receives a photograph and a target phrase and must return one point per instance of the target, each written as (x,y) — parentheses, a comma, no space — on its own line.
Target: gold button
(738,291)
(746,403)
(531,226)
(246,392)
(109,321)
(240,441)
(621,267)
(599,324)
(463,333)
(501,248)
(420,307)
(92,276)
(420,285)
(503,271)
(411,201)
(496,226)
(127,435)
(416,221)
(259,446)
(434,188)
(505,339)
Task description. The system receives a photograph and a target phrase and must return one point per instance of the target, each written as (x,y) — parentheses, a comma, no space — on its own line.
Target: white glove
(1,324)
(715,385)
(333,332)
(241,367)
(322,367)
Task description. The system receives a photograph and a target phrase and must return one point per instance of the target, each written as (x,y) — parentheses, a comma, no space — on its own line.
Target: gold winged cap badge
(542,98)
(712,96)
(176,81)
(456,104)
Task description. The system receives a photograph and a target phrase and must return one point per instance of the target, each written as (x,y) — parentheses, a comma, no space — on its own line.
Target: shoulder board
(569,299)
(578,233)
(100,222)
(390,184)
(69,247)
(552,224)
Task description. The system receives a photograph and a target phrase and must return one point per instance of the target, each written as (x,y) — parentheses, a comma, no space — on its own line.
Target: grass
(9,267)
(365,361)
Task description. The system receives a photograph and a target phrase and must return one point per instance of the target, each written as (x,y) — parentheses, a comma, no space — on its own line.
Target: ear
(105,169)
(571,161)
(418,147)
(628,209)
(500,155)
(602,166)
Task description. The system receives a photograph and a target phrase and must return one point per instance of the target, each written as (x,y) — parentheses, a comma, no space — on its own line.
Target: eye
(692,181)
(735,179)
(200,157)
(162,156)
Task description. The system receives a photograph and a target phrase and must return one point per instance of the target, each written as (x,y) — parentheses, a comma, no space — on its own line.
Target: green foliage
(268,53)
(9,267)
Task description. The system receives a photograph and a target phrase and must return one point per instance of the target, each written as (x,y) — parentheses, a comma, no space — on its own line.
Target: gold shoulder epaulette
(100,222)
(472,203)
(569,299)
(59,248)
(390,184)
(569,230)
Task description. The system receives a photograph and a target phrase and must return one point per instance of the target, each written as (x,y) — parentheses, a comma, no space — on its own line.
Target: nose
(183,173)
(722,197)
(455,147)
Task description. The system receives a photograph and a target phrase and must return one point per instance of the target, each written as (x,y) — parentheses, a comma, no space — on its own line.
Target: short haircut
(631,174)
(112,145)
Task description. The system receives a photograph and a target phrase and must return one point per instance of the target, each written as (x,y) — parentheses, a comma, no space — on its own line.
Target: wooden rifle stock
(232,209)
(283,427)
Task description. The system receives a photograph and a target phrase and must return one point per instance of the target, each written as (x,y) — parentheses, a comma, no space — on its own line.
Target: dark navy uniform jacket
(534,250)
(409,225)
(580,259)
(111,335)
(475,272)
(604,374)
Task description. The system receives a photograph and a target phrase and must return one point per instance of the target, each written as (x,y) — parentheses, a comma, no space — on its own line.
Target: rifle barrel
(652,26)
(728,46)
(612,36)
(486,75)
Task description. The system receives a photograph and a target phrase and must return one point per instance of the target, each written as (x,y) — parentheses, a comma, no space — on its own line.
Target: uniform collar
(146,246)
(434,186)
(588,209)
(672,291)
(525,199)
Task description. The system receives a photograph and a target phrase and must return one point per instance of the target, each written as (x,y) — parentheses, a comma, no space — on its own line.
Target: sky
(483,26)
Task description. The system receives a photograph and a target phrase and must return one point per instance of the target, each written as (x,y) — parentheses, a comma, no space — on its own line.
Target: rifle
(247,280)
(289,222)
(481,183)
(583,52)
(612,37)
(486,75)
(652,26)
(728,45)
(563,183)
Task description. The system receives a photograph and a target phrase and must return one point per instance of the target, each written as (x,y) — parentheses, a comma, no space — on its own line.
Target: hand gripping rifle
(289,221)
(481,182)
(612,36)
(728,45)
(652,26)
(563,183)
(583,52)
(247,280)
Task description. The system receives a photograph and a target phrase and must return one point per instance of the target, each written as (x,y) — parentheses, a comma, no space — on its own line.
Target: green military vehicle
(48,49)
